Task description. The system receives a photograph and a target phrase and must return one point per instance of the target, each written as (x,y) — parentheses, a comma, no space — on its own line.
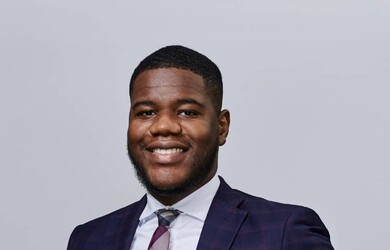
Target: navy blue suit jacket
(235,221)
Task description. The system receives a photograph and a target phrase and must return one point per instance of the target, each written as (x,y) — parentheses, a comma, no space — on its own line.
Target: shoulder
(255,204)
(295,220)
(274,212)
(295,227)
(271,210)
(95,231)
(117,215)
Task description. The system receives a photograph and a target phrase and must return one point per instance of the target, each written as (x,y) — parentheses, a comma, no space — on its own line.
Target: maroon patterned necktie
(160,238)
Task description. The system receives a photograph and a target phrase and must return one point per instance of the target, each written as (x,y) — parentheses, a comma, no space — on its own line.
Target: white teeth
(167,151)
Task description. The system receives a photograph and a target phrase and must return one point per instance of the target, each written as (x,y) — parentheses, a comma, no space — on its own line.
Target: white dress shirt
(186,229)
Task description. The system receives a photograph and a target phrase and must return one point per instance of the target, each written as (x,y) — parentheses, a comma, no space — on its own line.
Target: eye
(146,113)
(188,113)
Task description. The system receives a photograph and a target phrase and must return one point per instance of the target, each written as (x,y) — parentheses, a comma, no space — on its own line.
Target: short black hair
(180,57)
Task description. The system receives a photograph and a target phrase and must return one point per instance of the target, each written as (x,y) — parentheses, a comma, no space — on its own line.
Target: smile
(167,151)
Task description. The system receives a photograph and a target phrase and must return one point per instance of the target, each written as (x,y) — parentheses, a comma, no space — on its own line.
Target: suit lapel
(223,220)
(120,233)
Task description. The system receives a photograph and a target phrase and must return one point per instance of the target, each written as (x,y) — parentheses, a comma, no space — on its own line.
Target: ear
(223,129)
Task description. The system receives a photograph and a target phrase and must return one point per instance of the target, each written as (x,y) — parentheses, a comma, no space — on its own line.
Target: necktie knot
(167,216)
(160,237)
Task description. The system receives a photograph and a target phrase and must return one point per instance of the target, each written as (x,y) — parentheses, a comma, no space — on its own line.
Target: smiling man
(174,132)
(176,125)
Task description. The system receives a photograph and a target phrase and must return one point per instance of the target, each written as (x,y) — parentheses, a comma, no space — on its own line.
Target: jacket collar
(223,220)
(222,223)
(124,228)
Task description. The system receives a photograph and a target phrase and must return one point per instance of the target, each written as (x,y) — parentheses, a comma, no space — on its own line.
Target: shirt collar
(196,204)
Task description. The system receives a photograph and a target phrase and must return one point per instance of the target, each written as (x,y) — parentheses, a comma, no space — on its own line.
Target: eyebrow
(142,103)
(179,101)
(189,101)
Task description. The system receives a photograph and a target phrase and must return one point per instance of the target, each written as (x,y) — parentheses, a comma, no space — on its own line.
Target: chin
(166,183)
(173,181)
(166,190)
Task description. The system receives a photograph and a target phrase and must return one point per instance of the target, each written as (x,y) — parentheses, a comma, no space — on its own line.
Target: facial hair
(200,170)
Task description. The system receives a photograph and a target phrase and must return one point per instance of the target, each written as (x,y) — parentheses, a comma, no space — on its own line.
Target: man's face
(174,132)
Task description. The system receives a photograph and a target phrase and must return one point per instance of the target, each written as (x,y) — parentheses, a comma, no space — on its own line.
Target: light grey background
(307,84)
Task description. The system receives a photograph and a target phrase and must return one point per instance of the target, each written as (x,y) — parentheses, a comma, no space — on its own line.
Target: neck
(168,199)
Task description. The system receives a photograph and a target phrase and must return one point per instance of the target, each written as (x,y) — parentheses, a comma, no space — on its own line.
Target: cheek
(201,132)
(136,130)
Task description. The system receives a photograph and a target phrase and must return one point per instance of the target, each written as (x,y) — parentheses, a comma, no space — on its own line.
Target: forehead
(167,82)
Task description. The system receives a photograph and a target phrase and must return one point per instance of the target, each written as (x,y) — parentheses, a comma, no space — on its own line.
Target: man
(176,126)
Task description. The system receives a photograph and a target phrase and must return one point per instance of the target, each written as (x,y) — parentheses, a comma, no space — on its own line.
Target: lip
(164,158)
(166,145)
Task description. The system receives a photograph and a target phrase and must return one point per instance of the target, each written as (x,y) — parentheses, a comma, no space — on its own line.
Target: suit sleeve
(73,240)
(304,230)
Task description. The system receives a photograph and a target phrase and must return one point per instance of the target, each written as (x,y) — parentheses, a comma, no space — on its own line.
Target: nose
(165,124)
